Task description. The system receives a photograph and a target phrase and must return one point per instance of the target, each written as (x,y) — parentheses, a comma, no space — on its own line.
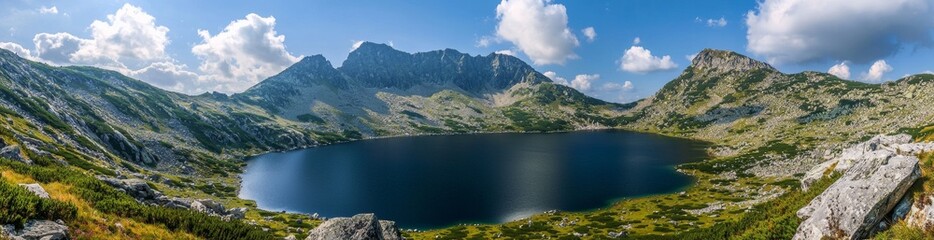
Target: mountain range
(763,123)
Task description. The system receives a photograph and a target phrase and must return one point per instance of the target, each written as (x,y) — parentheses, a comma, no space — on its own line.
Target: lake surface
(437,181)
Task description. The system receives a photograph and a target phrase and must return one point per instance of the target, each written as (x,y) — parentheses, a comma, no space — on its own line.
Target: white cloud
(555,78)
(590,33)
(582,82)
(128,41)
(538,28)
(800,31)
(716,22)
(49,10)
(356,44)
(636,41)
(506,52)
(129,37)
(625,86)
(640,60)
(840,70)
(245,52)
(166,75)
(876,71)
(57,48)
(17,49)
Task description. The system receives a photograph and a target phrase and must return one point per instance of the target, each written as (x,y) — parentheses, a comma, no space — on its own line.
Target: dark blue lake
(436,181)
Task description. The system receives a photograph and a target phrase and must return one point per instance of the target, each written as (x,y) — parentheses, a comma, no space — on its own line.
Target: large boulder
(878,147)
(853,206)
(137,188)
(37,230)
(921,214)
(36,189)
(358,227)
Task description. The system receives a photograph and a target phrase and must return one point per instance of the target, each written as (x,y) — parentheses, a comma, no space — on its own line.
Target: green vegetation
(17,205)
(109,200)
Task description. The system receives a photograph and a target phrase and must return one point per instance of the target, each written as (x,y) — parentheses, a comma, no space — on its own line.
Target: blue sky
(793,35)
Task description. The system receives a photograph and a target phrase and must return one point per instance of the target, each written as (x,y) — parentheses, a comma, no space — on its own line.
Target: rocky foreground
(358,227)
(871,193)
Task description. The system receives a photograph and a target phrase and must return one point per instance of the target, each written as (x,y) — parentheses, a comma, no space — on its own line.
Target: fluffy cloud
(590,33)
(876,71)
(49,10)
(166,75)
(506,52)
(245,52)
(583,82)
(625,86)
(840,70)
(57,48)
(17,49)
(713,22)
(800,31)
(555,78)
(129,37)
(636,41)
(538,28)
(128,41)
(640,60)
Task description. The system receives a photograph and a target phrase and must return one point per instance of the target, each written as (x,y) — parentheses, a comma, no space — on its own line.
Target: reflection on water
(436,181)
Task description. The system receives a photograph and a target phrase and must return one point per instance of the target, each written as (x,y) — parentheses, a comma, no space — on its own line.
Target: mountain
(745,106)
(380,91)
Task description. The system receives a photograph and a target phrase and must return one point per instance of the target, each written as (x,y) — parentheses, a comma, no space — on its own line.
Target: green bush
(17,205)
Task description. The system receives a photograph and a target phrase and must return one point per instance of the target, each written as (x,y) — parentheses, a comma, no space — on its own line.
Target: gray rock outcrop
(37,230)
(36,189)
(879,147)
(358,227)
(875,179)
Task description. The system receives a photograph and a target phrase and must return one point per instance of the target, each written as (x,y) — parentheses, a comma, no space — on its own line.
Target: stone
(36,189)
(853,206)
(37,230)
(137,188)
(13,152)
(236,213)
(358,227)
(878,147)
(921,214)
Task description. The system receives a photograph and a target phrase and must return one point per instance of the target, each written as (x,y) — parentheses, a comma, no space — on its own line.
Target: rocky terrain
(361,226)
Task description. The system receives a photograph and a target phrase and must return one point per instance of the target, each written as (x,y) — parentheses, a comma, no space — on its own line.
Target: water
(437,181)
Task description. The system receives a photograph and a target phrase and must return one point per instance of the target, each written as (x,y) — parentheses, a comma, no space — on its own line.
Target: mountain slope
(744,105)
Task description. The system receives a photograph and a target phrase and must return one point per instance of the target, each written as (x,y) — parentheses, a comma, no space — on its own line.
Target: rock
(878,147)
(37,189)
(358,227)
(37,230)
(921,214)
(13,152)
(236,213)
(137,188)
(290,237)
(853,206)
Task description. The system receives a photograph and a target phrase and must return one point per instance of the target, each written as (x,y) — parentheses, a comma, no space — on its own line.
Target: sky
(618,51)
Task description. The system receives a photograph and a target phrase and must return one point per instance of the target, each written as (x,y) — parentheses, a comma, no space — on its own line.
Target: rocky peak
(313,62)
(724,61)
